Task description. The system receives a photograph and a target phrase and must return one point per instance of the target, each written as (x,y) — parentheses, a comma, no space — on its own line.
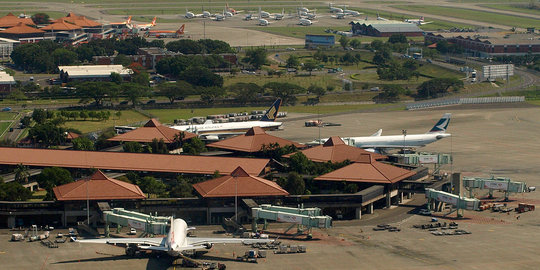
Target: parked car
(132,231)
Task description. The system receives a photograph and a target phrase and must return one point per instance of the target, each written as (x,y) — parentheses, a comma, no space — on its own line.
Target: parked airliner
(377,142)
(174,243)
(216,131)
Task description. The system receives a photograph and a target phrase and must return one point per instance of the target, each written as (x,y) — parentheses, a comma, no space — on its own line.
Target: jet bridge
(146,223)
(494,183)
(457,201)
(301,217)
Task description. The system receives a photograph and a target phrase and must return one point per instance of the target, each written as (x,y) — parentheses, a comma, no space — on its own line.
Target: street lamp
(404,132)
(235,198)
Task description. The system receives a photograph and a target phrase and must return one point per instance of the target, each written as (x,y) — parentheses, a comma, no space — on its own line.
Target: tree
(182,189)
(13,191)
(174,91)
(300,163)
(142,78)
(40,18)
(151,185)
(377,44)
(123,60)
(51,177)
(132,147)
(185,46)
(256,57)
(317,90)
(310,65)
(17,95)
(390,93)
(64,57)
(344,42)
(134,92)
(116,78)
(158,147)
(286,91)
(21,174)
(438,86)
(295,184)
(355,43)
(245,92)
(293,61)
(39,116)
(83,143)
(210,94)
(397,38)
(96,91)
(194,146)
(25,121)
(382,57)
(201,76)
(47,134)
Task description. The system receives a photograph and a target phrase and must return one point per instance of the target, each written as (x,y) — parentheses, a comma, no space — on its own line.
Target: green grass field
(128,117)
(426,69)
(298,31)
(304,81)
(168,115)
(4,126)
(7,115)
(488,1)
(522,8)
(469,14)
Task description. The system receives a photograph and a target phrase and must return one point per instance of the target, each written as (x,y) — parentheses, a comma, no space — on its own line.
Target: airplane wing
(390,146)
(219,136)
(197,242)
(150,242)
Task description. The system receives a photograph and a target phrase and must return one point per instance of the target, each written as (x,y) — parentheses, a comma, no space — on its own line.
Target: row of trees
(201,46)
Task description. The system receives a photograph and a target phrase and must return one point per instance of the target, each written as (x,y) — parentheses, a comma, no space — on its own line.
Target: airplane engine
(131,251)
(208,246)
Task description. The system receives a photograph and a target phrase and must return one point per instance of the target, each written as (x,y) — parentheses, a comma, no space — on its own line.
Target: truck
(249,256)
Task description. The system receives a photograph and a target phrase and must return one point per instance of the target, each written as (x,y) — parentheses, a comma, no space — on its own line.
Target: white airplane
(215,131)
(417,21)
(191,15)
(263,22)
(377,142)
(147,26)
(279,16)
(353,13)
(335,9)
(232,10)
(174,243)
(263,14)
(305,22)
(379,18)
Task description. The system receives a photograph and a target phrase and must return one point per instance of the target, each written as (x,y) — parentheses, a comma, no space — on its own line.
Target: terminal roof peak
(255,131)
(152,123)
(334,140)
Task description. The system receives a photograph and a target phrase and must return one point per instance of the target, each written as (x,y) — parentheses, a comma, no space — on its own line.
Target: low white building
(6,47)
(92,72)
(7,82)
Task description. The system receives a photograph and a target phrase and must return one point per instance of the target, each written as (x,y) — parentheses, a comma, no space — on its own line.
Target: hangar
(379,28)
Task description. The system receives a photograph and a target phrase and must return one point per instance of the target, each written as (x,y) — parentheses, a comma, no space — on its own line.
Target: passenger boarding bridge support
(303,218)
(457,201)
(142,222)
(494,183)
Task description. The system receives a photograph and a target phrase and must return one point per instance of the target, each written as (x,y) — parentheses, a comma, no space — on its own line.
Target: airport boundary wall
(458,101)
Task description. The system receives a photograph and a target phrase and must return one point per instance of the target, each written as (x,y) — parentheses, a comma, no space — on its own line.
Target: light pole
(236,198)
(404,131)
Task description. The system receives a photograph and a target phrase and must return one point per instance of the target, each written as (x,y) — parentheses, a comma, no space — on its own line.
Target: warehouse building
(491,44)
(378,28)
(92,72)
(6,83)
(316,41)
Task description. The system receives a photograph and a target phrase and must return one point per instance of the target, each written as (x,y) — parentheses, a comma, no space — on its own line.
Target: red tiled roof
(70,135)
(21,28)
(98,187)
(61,26)
(368,170)
(240,184)
(153,129)
(129,161)
(252,141)
(11,20)
(81,21)
(335,150)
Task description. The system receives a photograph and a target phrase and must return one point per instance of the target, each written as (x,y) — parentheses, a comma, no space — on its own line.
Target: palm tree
(22,173)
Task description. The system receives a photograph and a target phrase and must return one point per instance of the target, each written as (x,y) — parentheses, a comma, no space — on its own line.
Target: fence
(457,101)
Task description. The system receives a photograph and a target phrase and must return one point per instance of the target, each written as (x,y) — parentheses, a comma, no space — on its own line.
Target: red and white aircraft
(166,33)
(147,26)
(126,22)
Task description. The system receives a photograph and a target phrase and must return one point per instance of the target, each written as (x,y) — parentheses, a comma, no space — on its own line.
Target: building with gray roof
(379,28)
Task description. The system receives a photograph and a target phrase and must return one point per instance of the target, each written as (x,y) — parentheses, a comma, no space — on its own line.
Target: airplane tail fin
(154,21)
(170,236)
(128,20)
(181,30)
(271,113)
(442,124)
(422,18)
